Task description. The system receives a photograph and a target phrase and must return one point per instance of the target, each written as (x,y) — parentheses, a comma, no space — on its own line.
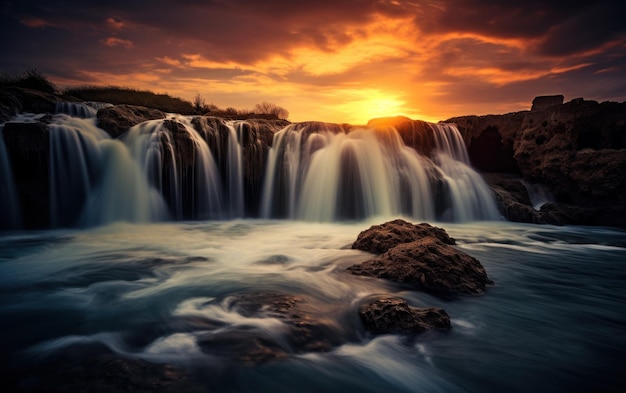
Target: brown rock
(430,265)
(117,119)
(380,238)
(394,315)
(545,102)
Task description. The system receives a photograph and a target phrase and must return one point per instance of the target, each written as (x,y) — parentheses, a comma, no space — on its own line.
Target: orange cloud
(114,41)
(116,24)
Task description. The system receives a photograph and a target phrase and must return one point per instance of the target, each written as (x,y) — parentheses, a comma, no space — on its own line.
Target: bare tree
(269,108)
(199,104)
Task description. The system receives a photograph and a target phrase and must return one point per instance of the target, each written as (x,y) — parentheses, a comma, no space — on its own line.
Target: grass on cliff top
(124,95)
(35,80)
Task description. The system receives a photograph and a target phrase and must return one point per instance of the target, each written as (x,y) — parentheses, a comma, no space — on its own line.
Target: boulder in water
(380,238)
(394,315)
(430,265)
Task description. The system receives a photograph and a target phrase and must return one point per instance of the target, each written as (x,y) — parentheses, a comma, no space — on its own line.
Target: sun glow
(380,107)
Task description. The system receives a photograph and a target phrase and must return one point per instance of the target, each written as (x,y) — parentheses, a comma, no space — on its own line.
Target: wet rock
(380,238)
(28,148)
(91,368)
(394,315)
(117,119)
(430,265)
(301,331)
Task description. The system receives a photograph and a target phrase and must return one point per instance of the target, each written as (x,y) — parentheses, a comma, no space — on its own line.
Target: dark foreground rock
(430,265)
(380,238)
(92,368)
(394,315)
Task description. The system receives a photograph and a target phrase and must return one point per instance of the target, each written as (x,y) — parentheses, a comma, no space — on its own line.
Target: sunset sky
(329,60)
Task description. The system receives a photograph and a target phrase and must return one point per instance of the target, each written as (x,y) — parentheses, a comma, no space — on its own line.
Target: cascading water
(235,171)
(10,218)
(188,168)
(92,172)
(539,194)
(177,162)
(319,172)
(469,196)
(83,110)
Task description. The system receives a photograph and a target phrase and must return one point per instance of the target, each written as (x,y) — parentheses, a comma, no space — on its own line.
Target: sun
(381,107)
(359,109)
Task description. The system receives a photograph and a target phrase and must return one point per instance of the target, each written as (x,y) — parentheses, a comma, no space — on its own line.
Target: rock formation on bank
(576,149)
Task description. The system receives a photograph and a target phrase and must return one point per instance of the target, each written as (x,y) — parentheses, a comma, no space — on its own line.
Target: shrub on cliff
(31,79)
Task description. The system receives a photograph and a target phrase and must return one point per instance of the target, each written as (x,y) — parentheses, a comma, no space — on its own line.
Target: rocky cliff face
(577,149)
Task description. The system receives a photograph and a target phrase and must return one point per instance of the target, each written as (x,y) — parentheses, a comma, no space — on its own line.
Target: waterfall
(93,179)
(198,168)
(122,193)
(74,164)
(469,196)
(235,171)
(76,109)
(176,160)
(321,172)
(539,194)
(10,218)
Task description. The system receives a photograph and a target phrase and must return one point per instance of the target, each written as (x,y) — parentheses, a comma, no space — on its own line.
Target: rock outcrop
(119,118)
(14,100)
(394,315)
(422,259)
(544,102)
(577,149)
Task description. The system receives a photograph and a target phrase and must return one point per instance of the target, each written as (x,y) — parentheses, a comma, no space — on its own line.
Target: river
(182,294)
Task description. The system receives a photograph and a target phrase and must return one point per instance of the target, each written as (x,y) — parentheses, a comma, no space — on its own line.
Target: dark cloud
(78,39)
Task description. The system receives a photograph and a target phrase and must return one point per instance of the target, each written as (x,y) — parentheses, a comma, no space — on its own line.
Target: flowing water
(176,293)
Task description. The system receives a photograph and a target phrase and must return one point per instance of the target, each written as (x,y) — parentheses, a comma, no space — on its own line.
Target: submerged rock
(295,330)
(380,238)
(394,315)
